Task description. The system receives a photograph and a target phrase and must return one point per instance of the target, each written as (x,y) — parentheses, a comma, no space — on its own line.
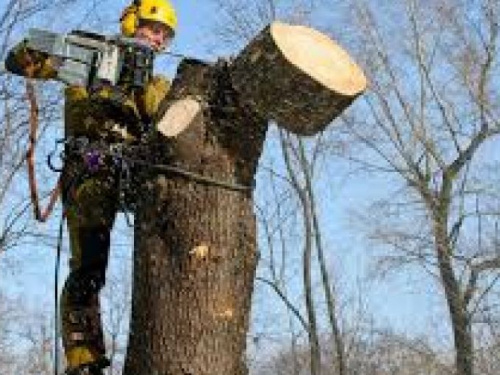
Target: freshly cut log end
(319,57)
(297,76)
(178,117)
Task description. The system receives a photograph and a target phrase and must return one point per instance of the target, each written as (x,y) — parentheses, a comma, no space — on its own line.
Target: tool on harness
(127,156)
(93,160)
(50,156)
(75,146)
(95,155)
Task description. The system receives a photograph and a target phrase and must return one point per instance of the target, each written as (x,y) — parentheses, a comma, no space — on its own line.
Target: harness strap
(192,175)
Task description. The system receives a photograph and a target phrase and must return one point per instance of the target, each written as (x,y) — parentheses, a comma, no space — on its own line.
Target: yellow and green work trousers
(90,200)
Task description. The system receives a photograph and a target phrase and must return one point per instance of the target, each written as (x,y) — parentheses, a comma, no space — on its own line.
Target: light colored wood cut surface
(178,117)
(319,57)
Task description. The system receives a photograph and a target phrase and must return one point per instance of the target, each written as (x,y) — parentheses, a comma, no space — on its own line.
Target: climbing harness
(124,157)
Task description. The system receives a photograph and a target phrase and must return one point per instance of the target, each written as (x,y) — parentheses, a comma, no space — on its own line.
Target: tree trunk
(195,241)
(328,286)
(461,324)
(195,250)
(312,321)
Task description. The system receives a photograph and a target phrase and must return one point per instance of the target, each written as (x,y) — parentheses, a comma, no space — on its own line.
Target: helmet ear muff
(152,10)
(129,19)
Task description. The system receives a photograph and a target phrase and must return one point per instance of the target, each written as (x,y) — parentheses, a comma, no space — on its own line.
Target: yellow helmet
(153,10)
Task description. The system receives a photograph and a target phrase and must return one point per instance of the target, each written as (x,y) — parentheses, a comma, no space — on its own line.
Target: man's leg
(81,323)
(91,210)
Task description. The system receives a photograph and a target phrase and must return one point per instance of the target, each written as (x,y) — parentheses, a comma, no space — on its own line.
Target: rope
(175,54)
(56,293)
(191,175)
(40,215)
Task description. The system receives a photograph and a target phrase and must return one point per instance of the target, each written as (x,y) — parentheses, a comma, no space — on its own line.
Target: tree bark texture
(195,242)
(195,232)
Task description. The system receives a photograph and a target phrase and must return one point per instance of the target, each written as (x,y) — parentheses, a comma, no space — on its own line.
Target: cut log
(297,76)
(178,117)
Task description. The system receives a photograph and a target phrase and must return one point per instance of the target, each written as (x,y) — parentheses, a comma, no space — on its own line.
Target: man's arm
(154,92)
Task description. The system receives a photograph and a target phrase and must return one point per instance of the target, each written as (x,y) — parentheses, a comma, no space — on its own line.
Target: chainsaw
(92,60)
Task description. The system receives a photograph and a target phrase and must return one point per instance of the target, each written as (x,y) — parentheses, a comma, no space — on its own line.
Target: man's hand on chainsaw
(29,63)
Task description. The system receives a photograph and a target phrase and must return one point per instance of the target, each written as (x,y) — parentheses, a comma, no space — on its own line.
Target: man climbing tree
(102,118)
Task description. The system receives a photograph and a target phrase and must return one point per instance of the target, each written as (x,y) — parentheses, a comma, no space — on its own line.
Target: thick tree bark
(195,249)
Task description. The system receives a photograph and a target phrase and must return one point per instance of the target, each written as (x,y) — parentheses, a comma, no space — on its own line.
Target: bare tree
(377,351)
(26,338)
(7,315)
(240,22)
(432,110)
(16,222)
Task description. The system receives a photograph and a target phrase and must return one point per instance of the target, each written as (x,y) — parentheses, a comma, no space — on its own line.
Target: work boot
(93,368)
